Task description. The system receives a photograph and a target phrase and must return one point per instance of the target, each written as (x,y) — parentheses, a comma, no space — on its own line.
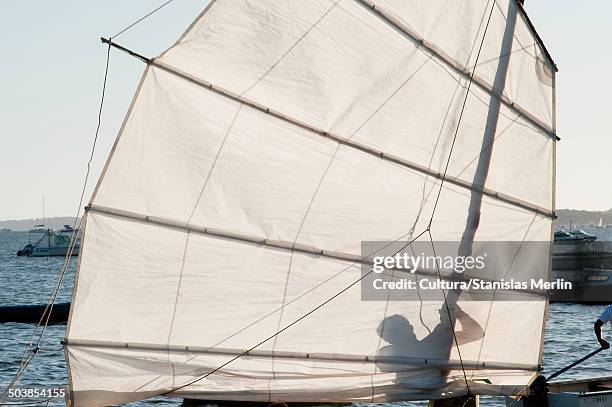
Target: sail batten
(261,150)
(350,258)
(338,357)
(279,244)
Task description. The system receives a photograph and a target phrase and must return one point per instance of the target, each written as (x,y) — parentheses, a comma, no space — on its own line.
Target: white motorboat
(581,234)
(38,229)
(50,244)
(590,392)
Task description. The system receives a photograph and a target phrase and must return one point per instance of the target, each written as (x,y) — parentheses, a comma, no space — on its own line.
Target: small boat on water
(579,233)
(48,245)
(579,258)
(68,229)
(5,230)
(565,236)
(569,399)
(574,236)
(590,392)
(38,229)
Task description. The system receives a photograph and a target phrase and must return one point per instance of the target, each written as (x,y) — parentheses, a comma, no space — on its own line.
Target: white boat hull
(589,399)
(52,251)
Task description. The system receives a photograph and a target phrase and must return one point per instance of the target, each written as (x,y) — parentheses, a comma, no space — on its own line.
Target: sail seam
(356,145)
(442,56)
(335,357)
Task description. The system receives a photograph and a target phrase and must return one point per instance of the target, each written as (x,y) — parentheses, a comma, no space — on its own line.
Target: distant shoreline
(583,218)
(564,218)
(22,225)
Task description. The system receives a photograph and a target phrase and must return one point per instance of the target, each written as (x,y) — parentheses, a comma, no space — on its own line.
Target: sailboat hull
(589,399)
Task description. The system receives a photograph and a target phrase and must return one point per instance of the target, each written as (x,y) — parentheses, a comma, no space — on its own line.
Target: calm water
(29,281)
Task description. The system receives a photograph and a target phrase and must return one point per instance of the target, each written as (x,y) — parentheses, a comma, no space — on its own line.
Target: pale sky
(52,66)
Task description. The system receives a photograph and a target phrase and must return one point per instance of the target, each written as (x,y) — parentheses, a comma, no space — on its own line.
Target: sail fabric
(260,151)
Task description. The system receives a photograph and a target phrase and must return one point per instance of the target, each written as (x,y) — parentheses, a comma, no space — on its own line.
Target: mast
(482,169)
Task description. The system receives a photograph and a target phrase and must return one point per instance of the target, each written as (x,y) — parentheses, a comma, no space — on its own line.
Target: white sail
(260,151)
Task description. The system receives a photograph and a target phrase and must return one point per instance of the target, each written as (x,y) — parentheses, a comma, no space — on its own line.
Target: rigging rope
(30,351)
(142,18)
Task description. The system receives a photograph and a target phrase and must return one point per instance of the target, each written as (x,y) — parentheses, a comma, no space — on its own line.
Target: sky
(52,68)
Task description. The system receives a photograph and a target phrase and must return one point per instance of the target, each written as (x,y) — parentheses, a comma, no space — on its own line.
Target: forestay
(260,150)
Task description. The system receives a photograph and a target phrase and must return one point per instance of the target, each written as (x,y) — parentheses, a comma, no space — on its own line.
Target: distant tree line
(583,218)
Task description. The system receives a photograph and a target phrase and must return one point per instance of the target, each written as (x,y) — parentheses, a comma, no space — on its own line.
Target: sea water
(24,280)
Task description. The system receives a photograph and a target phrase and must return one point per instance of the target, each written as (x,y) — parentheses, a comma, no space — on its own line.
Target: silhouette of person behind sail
(399,333)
